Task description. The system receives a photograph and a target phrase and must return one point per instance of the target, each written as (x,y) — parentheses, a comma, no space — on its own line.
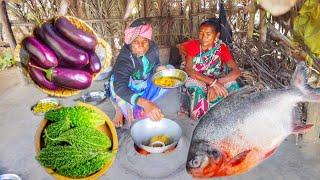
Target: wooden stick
(6,24)
(263,26)
(252,11)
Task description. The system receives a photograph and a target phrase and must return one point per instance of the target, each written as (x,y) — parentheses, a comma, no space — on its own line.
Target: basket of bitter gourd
(63,56)
(77,142)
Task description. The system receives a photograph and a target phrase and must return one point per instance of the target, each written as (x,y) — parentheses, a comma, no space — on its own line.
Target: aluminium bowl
(45,100)
(143,130)
(93,97)
(178,74)
(9,177)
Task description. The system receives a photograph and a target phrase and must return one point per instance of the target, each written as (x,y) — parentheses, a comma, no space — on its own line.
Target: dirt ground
(18,126)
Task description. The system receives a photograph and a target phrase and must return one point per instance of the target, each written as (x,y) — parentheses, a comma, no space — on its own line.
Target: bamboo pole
(263,26)
(1,35)
(252,11)
(79,9)
(63,7)
(6,25)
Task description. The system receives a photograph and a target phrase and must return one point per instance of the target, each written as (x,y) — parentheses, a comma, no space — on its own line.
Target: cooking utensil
(94,97)
(43,101)
(142,131)
(178,76)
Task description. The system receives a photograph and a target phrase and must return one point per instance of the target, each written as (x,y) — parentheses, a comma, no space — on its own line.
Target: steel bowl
(46,100)
(142,131)
(94,97)
(179,75)
(105,74)
(9,177)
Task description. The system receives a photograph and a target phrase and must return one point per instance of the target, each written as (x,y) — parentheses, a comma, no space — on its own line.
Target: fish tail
(300,82)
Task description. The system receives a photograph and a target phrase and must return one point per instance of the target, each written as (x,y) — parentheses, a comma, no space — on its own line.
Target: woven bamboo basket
(107,128)
(103,50)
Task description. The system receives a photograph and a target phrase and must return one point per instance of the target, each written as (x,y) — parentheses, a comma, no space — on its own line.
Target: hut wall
(173,21)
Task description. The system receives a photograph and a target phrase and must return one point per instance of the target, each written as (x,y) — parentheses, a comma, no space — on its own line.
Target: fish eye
(196,162)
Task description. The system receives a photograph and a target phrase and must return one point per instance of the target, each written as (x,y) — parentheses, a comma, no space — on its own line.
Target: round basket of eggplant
(63,56)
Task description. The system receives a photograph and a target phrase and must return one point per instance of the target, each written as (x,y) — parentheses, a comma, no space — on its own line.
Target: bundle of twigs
(267,66)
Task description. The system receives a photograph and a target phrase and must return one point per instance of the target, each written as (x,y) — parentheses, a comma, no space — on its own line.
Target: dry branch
(6,25)
(252,8)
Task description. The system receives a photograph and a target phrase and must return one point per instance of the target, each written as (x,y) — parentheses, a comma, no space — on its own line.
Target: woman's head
(138,36)
(209,32)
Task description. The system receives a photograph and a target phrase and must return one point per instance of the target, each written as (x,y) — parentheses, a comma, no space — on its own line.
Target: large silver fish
(246,128)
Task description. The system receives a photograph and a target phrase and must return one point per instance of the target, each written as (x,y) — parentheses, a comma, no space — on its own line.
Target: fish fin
(301,128)
(239,158)
(268,154)
(300,81)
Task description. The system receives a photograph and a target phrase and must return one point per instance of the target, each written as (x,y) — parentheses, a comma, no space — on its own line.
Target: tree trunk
(6,25)
(252,12)
(263,26)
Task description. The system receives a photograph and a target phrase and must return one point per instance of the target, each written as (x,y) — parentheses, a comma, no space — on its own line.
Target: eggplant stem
(44,70)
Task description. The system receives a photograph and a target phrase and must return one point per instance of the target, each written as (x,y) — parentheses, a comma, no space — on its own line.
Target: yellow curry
(43,107)
(162,138)
(166,81)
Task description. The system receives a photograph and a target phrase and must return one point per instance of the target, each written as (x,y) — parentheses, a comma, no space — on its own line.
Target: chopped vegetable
(166,81)
(162,138)
(43,107)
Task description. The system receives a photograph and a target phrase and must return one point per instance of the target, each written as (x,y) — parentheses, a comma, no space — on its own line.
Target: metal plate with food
(44,105)
(169,78)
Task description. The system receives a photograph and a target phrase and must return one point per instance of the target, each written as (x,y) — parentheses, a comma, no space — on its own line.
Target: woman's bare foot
(182,112)
(118,119)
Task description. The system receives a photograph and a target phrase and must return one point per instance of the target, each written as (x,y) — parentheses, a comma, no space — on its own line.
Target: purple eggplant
(40,53)
(94,65)
(65,50)
(68,78)
(81,38)
(39,77)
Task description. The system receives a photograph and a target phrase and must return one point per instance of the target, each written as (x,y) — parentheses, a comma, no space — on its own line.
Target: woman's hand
(160,68)
(152,111)
(212,95)
(220,89)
